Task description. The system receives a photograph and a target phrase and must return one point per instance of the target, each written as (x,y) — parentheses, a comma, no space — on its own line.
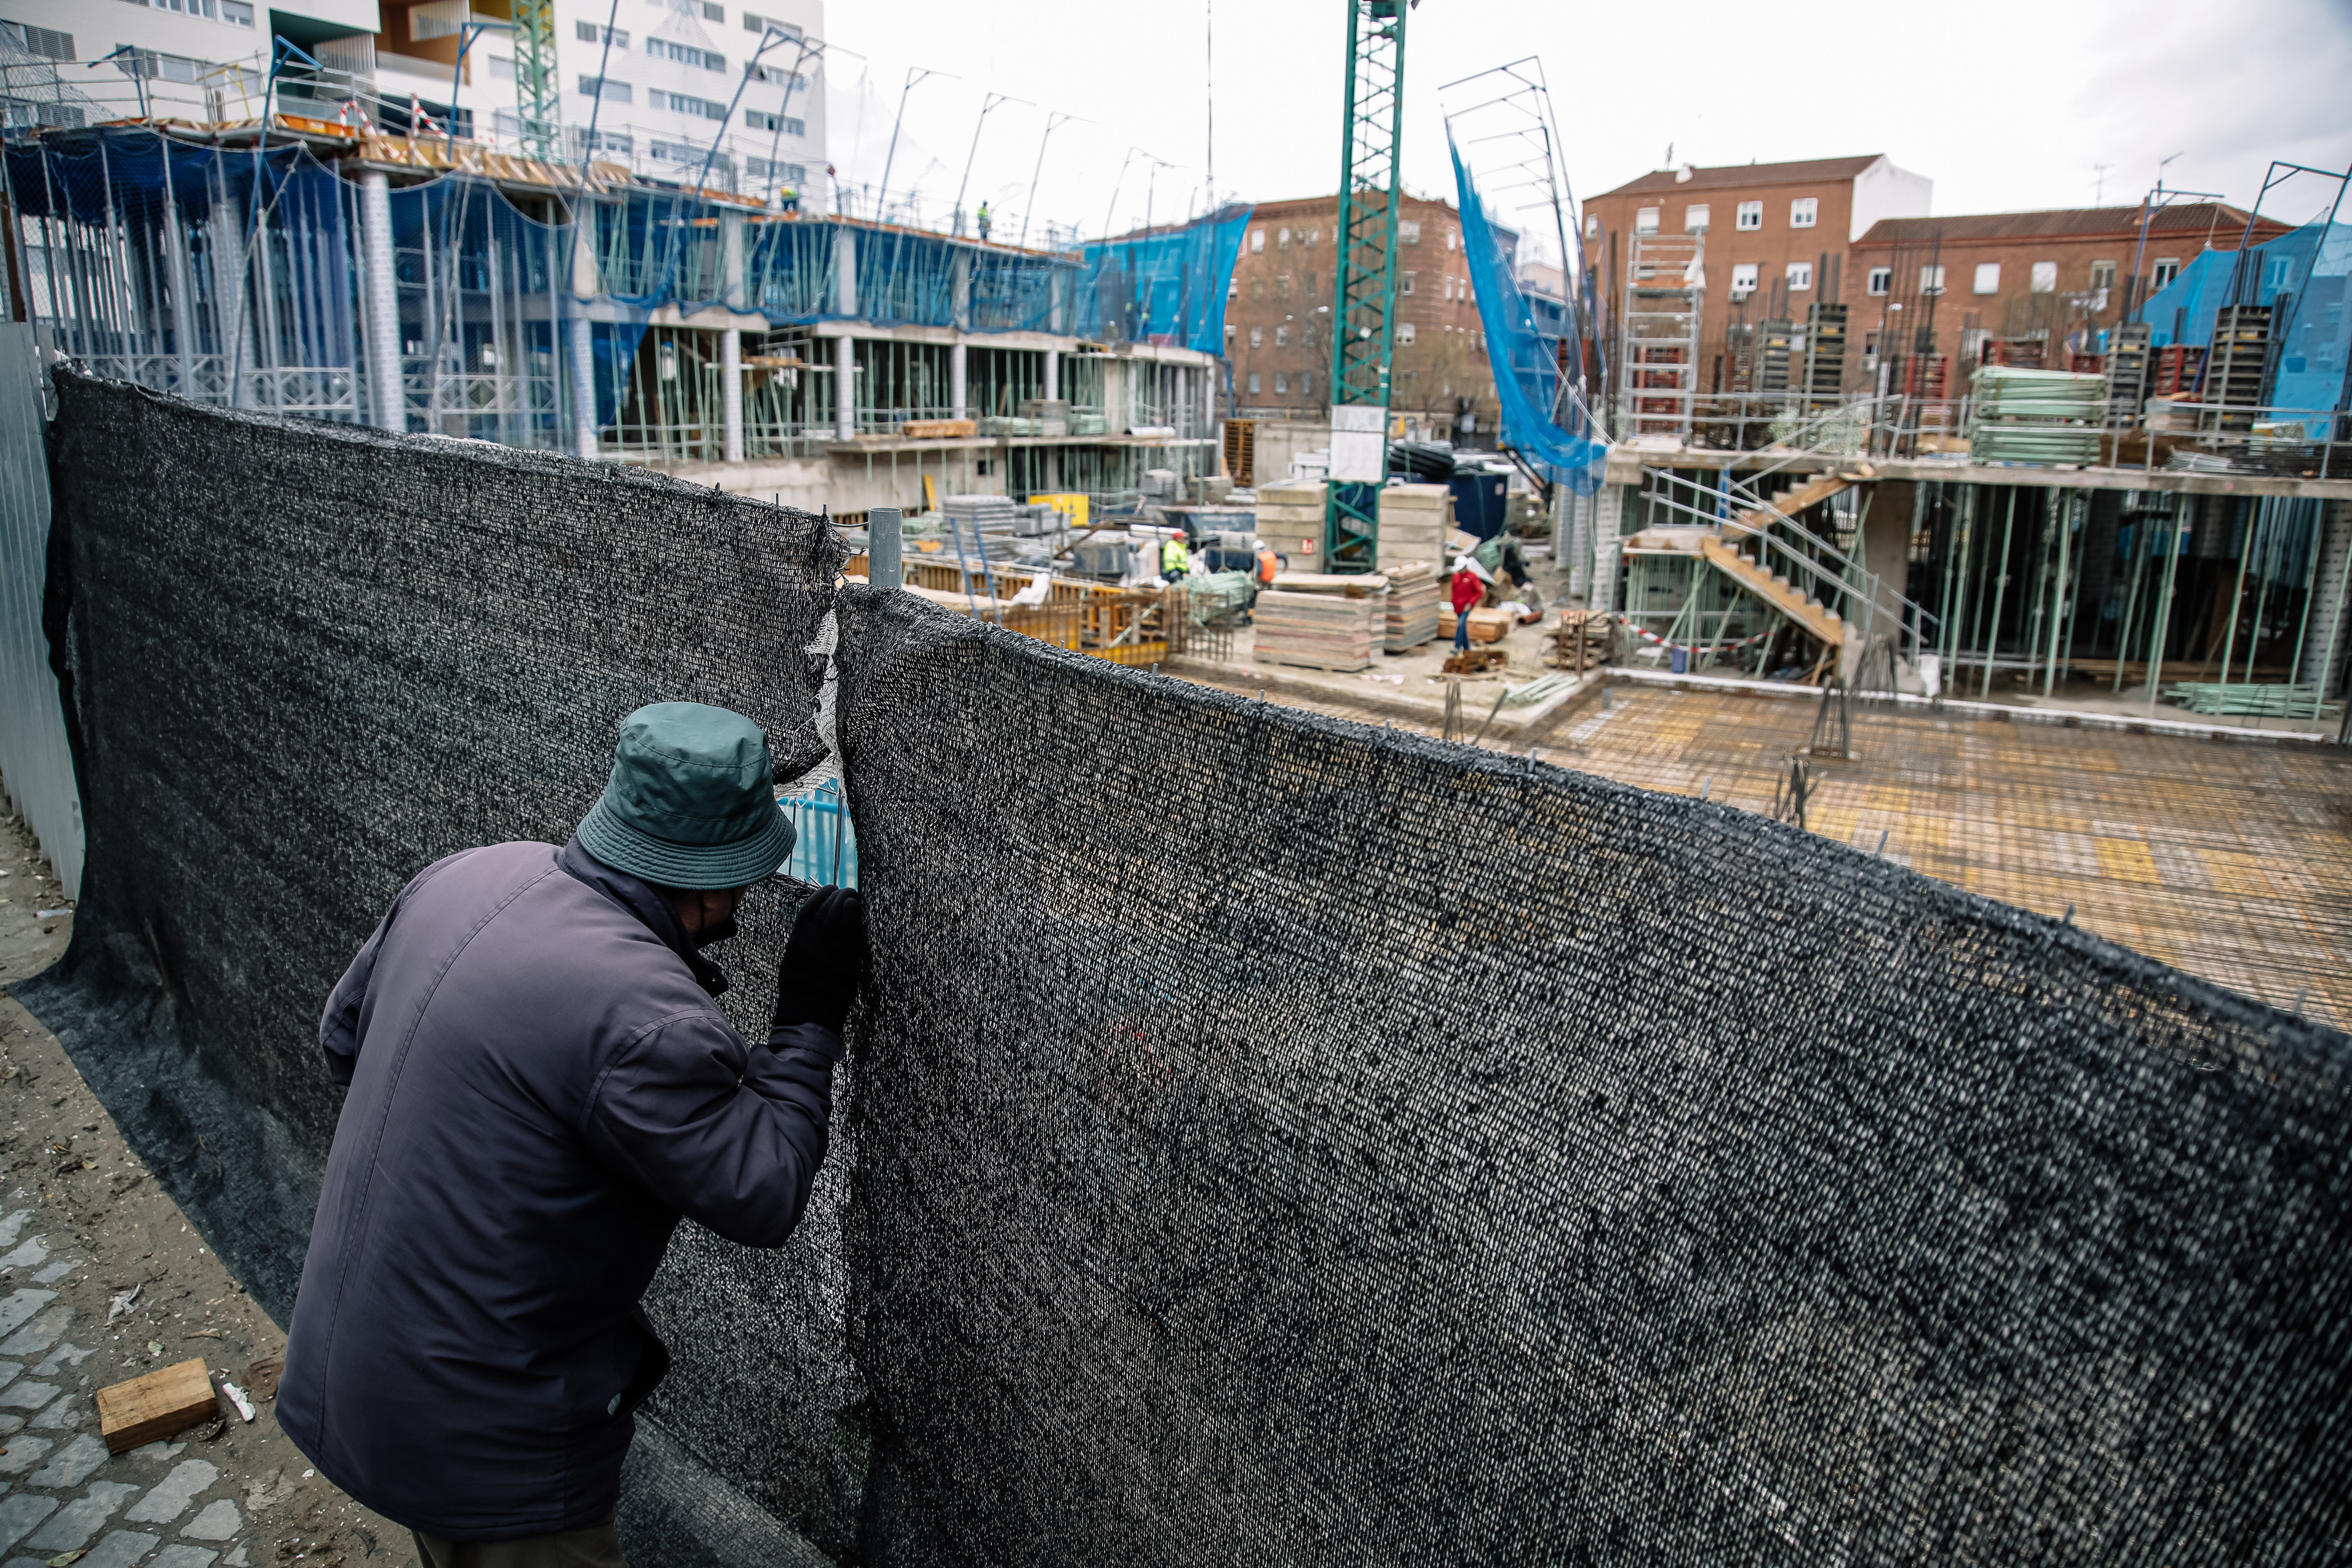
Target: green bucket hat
(691,802)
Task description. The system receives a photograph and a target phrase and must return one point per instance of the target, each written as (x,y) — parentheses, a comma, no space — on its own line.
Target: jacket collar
(641,899)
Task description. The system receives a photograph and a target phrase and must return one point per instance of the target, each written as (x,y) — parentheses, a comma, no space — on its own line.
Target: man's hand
(824,961)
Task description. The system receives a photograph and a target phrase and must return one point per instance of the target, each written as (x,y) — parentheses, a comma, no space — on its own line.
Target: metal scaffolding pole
(1999,593)
(2164,602)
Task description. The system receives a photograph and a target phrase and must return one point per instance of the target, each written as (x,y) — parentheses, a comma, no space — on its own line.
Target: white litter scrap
(121,1302)
(236,1397)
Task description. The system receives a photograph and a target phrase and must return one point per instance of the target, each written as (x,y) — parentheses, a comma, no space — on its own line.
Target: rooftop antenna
(2099,183)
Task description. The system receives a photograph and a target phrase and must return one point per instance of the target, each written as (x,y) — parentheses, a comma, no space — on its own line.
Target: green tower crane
(1363,284)
(538,93)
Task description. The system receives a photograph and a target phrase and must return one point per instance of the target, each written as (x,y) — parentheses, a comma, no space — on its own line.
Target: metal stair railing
(1857,577)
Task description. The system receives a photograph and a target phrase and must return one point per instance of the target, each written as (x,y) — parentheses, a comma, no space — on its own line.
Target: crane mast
(1363,284)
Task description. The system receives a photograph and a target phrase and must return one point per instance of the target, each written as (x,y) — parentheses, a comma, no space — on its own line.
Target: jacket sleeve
(729,1134)
(339,1028)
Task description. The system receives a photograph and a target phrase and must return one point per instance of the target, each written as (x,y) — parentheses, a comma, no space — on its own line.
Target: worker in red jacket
(1470,582)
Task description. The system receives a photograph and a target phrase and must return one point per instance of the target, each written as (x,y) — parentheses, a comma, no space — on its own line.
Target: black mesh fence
(1268,1140)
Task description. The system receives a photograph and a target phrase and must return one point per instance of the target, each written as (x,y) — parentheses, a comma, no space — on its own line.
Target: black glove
(818,976)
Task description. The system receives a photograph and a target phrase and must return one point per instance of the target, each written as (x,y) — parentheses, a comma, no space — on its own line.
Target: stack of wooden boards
(1583,641)
(1321,622)
(1411,606)
(1413,522)
(1290,520)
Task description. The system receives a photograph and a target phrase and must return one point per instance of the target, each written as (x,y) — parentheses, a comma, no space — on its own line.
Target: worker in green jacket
(1175,560)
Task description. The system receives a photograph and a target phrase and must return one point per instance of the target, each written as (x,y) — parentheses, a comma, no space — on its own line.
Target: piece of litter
(308,1474)
(236,1397)
(49,914)
(121,1302)
(154,1347)
(67,1559)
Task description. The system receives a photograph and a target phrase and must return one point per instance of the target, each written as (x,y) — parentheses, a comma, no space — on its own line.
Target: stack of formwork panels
(1413,522)
(1320,622)
(2127,372)
(1291,520)
(1411,606)
(2234,368)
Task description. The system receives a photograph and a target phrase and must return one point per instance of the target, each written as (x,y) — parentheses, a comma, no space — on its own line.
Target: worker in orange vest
(1269,564)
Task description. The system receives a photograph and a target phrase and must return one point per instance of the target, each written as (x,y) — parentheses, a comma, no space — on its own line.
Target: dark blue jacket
(540,1086)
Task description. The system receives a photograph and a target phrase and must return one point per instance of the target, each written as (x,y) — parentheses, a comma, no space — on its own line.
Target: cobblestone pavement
(102,1279)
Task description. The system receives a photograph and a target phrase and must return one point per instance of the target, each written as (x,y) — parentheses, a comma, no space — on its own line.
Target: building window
(1404,332)
(1257,241)
(2045,278)
(1593,226)
(1282,336)
(1281,383)
(1253,383)
(1256,337)
(501,68)
(1453,240)
(1988,278)
(776,74)
(771,122)
(1751,215)
(606,89)
(2102,275)
(1406,280)
(1695,218)
(589,33)
(1307,384)
(1931,280)
(1408,231)
(1282,288)
(2168,267)
(1645,220)
(1233,292)
(1282,239)
(1801,276)
(1805,211)
(713,13)
(754,24)
(685,54)
(1882,279)
(681,103)
(790,173)
(1313,235)
(1743,279)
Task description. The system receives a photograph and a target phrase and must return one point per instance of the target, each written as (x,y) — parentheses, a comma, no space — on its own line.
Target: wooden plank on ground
(160,1405)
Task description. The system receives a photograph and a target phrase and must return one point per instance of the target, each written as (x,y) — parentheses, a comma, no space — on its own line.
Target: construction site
(1830,720)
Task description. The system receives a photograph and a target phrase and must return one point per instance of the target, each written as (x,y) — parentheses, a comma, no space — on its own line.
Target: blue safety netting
(1167,286)
(1526,362)
(2306,273)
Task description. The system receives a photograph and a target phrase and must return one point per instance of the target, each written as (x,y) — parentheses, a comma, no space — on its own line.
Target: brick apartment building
(2030,280)
(1777,236)
(1278,319)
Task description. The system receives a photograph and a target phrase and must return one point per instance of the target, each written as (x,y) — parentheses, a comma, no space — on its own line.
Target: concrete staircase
(1725,549)
(1824,623)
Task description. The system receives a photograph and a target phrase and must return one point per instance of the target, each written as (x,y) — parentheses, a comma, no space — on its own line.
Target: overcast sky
(2005,105)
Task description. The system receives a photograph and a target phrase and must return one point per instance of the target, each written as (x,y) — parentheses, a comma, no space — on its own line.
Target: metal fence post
(884,538)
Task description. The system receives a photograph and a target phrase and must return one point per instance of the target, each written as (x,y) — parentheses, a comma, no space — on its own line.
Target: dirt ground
(103,1279)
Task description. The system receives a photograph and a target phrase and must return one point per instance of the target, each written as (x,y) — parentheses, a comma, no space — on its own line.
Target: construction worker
(789,198)
(1269,565)
(538,1085)
(1469,590)
(986,218)
(1175,560)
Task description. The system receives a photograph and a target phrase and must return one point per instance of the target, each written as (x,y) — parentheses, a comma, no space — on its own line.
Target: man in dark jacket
(541,1084)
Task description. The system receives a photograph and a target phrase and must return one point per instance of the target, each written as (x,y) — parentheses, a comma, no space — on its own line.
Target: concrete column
(1053,374)
(382,322)
(731,390)
(583,354)
(960,290)
(1606,545)
(959,359)
(585,282)
(844,387)
(1055,284)
(845,270)
(730,259)
(1210,376)
(1884,549)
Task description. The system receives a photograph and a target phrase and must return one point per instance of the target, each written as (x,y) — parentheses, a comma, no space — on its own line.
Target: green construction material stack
(2250,697)
(2035,416)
